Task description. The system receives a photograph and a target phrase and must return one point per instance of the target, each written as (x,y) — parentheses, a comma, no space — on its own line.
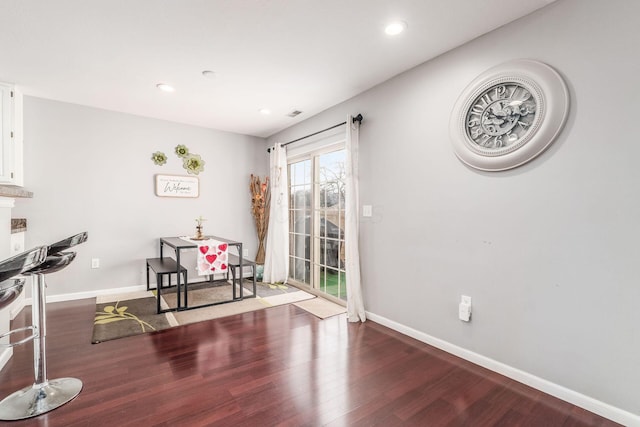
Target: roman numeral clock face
(509,115)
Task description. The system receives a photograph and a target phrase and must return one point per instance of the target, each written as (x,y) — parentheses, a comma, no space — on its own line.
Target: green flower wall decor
(182,151)
(193,163)
(159,158)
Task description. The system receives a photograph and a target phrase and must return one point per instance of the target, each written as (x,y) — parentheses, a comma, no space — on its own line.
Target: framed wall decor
(177,186)
(508,115)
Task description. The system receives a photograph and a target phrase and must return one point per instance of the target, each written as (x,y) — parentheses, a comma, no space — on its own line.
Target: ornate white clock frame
(508,115)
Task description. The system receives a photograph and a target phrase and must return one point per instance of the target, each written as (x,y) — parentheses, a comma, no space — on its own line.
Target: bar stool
(43,395)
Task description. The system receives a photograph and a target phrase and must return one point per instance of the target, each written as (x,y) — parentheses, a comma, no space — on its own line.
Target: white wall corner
(590,404)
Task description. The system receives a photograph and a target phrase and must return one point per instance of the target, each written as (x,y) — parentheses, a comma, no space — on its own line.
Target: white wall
(548,251)
(91,170)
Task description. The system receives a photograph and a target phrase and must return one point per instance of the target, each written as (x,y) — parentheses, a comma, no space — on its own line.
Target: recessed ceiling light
(165,87)
(396,27)
(209,74)
(265,111)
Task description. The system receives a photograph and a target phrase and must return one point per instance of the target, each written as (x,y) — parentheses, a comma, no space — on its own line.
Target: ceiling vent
(294,113)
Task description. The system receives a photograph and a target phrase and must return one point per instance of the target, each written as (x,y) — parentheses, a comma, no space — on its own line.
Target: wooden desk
(178,244)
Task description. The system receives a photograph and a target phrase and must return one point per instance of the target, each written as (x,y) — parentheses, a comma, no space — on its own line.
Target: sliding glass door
(316,222)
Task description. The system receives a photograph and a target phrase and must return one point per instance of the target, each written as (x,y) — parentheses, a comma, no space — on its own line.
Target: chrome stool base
(39,399)
(43,395)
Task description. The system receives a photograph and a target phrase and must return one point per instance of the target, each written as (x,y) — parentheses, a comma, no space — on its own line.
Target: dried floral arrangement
(260,202)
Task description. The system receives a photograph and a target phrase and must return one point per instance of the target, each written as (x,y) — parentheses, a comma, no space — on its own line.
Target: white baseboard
(90,294)
(95,293)
(590,404)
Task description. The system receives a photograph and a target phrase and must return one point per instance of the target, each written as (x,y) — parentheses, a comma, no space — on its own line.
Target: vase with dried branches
(260,202)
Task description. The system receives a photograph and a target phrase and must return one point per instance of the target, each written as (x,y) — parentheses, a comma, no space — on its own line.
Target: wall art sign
(509,115)
(177,186)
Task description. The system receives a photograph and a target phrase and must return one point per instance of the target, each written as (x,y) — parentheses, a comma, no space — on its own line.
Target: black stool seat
(53,263)
(68,243)
(22,262)
(234,263)
(165,267)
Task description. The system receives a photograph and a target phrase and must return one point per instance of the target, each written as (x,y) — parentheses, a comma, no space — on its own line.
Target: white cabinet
(17,243)
(10,135)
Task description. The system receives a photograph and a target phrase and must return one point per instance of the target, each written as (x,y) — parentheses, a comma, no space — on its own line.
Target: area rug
(119,316)
(321,307)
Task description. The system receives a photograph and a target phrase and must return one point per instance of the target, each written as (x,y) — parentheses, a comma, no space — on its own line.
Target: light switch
(367,210)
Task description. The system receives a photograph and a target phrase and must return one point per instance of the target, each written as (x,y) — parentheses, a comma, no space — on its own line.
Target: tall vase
(260,254)
(260,260)
(259,272)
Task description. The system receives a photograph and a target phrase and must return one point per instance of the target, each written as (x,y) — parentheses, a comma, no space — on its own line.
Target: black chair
(44,395)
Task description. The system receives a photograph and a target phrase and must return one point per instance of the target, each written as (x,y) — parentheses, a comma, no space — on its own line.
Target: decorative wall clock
(508,115)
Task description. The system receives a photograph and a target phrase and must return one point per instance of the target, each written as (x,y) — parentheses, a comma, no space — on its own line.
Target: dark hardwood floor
(279,366)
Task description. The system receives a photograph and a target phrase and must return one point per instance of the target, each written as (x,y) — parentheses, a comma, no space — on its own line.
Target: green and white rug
(119,316)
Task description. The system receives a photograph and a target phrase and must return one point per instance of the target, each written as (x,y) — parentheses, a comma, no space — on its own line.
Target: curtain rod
(357,118)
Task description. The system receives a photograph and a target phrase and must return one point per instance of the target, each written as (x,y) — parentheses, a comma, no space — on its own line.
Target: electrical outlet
(245,252)
(465,300)
(95,262)
(367,211)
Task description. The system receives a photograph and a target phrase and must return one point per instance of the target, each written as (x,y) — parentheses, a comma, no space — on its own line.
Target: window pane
(298,175)
(307,196)
(323,279)
(332,177)
(307,171)
(307,276)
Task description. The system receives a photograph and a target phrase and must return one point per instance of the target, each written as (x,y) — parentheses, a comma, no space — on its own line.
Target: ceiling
(283,55)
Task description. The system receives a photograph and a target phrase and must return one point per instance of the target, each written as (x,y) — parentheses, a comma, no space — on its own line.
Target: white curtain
(276,263)
(355,304)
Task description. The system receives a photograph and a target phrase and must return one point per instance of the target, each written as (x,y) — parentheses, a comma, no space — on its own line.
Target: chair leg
(186,301)
(158,288)
(233,280)
(254,268)
(148,286)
